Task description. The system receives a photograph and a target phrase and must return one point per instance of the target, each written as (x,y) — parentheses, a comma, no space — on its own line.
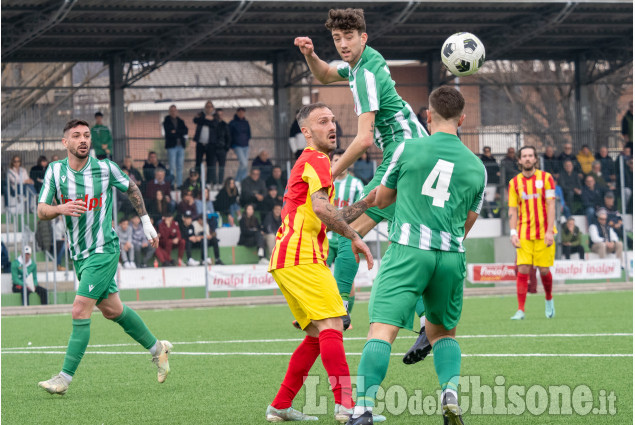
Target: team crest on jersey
(63,178)
(539,184)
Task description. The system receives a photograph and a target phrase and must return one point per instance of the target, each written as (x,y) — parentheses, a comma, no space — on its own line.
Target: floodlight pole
(627,267)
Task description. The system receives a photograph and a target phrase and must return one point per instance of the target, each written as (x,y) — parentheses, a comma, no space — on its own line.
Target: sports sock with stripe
(134,326)
(447,362)
(76,345)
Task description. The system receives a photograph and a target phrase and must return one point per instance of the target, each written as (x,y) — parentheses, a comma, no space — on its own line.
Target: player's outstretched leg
(522,280)
(421,348)
(77,344)
(300,364)
(447,363)
(547,283)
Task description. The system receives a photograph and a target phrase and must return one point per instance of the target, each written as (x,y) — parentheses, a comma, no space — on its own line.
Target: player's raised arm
(360,144)
(335,221)
(322,71)
(385,196)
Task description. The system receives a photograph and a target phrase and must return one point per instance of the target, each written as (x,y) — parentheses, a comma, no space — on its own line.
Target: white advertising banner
(607,268)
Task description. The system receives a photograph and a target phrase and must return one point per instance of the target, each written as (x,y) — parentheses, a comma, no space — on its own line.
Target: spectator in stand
(602,237)
(364,168)
(240,135)
(628,187)
(264,164)
(592,199)
(170,238)
(251,233)
(570,184)
(571,240)
(212,240)
(253,189)
(55,158)
(271,199)
(158,207)
(101,138)
(614,218)
(627,124)
(36,173)
(124,233)
(193,183)
(509,165)
(607,166)
(271,224)
(491,166)
(158,183)
(422,117)
(226,202)
(175,142)
(210,212)
(187,204)
(17,177)
(219,150)
(133,172)
(30,277)
(6,262)
(551,164)
(278,181)
(596,173)
(567,154)
(143,251)
(123,202)
(205,134)
(585,158)
(189,237)
(151,165)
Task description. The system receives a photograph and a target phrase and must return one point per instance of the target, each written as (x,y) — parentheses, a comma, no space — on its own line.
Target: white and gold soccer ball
(463,54)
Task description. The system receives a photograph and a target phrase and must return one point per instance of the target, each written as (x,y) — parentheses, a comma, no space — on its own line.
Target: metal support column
(281,110)
(434,72)
(584,123)
(117,115)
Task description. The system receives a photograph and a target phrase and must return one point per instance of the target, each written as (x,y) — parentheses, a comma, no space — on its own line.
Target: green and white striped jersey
(438,180)
(347,190)
(374,90)
(93,231)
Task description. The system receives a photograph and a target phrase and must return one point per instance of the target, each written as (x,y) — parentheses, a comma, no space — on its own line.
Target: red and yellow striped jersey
(530,196)
(301,239)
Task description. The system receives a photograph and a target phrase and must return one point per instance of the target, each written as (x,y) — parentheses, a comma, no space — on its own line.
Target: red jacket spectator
(170,236)
(159,183)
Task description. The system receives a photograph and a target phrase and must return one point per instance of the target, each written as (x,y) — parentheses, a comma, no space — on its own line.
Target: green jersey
(92,232)
(438,180)
(374,90)
(347,191)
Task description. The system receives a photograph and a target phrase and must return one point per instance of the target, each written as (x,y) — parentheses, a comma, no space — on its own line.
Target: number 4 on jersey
(443,172)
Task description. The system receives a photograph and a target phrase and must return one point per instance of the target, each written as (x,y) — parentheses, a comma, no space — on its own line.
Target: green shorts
(96,275)
(407,273)
(375,213)
(333,242)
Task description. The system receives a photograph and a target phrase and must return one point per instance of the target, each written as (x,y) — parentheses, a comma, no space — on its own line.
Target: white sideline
(186,353)
(243,341)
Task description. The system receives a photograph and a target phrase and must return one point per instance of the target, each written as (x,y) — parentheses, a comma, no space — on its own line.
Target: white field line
(186,353)
(252,341)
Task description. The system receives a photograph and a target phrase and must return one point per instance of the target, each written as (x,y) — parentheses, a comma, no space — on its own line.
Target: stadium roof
(162,30)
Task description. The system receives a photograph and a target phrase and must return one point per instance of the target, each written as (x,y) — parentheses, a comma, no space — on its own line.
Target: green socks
(351,301)
(134,326)
(447,362)
(372,367)
(345,266)
(76,345)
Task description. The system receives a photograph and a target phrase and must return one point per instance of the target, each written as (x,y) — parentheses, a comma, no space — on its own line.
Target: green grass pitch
(116,382)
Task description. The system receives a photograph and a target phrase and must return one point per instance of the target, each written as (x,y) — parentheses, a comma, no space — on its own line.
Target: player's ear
(461,119)
(429,116)
(364,38)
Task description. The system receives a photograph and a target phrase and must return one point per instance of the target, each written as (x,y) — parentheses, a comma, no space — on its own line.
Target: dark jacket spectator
(364,168)
(151,165)
(570,184)
(627,124)
(158,207)
(223,133)
(607,164)
(253,189)
(130,168)
(158,183)
(271,199)
(175,131)
(193,183)
(37,172)
(491,166)
(251,233)
(226,202)
(592,198)
(187,206)
(278,181)
(509,165)
(264,164)
(567,154)
(6,262)
(204,136)
(551,164)
(240,131)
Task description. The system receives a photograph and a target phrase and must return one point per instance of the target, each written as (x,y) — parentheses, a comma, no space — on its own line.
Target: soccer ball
(463,54)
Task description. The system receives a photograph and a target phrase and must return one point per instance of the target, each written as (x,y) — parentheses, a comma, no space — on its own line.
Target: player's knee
(544,271)
(81,310)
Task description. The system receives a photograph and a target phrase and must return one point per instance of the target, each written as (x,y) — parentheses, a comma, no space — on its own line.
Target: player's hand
(72,209)
(515,241)
(305,44)
(371,198)
(549,238)
(149,231)
(359,247)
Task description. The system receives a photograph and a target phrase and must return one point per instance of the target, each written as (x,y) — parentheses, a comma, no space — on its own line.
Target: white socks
(422,320)
(66,376)
(359,411)
(154,348)
(261,253)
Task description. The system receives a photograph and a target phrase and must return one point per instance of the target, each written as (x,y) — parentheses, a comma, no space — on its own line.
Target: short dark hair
(346,20)
(74,123)
(447,102)
(520,151)
(306,110)
(98,114)
(241,109)
(338,151)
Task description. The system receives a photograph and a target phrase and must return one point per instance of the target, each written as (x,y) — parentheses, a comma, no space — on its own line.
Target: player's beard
(75,152)
(529,168)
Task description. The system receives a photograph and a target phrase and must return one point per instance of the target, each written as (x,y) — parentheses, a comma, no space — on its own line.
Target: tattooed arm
(136,199)
(359,145)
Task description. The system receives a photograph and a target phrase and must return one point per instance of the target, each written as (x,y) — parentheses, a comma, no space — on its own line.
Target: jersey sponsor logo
(90,288)
(527,196)
(539,184)
(91,204)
